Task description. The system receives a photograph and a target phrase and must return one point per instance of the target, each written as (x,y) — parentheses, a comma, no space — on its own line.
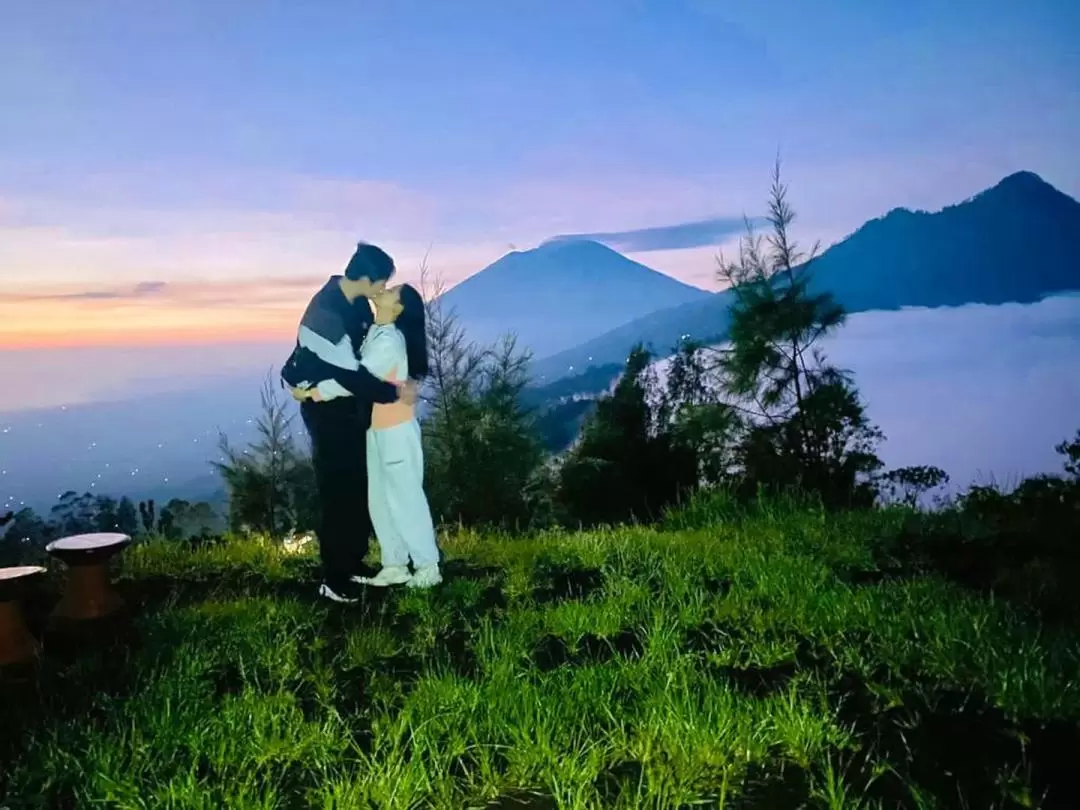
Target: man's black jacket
(330,335)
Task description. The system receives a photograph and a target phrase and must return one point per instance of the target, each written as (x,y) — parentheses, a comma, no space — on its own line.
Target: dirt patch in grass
(402,668)
(463,569)
(466,766)
(374,609)
(294,781)
(712,637)
(552,651)
(867,577)
(718,636)
(622,777)
(625,644)
(760,680)
(492,599)
(491,603)
(781,785)
(717,586)
(757,682)
(455,652)
(561,583)
(227,680)
(522,800)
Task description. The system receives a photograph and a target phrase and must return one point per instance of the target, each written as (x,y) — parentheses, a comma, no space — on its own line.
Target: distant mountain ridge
(1014,242)
(561,294)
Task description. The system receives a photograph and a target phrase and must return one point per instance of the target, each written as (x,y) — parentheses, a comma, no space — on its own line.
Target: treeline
(28,533)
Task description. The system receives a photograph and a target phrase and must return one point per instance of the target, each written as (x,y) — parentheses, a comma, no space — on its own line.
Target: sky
(186,173)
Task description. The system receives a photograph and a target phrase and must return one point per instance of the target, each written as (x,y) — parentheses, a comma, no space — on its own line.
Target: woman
(396,349)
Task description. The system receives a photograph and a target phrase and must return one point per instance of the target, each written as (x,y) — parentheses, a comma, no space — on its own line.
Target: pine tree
(806,425)
(480,445)
(75,514)
(692,409)
(261,479)
(626,464)
(106,514)
(127,518)
(23,539)
(147,516)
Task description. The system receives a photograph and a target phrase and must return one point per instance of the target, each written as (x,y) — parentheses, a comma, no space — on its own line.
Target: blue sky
(215,143)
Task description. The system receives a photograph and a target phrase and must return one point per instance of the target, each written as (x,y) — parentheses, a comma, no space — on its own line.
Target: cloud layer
(701,233)
(984,392)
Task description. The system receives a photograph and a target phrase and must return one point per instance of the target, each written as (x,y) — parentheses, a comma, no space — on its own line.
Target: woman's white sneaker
(389,575)
(427,577)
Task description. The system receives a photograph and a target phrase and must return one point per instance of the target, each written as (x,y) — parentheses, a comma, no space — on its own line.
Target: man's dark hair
(412,323)
(370,262)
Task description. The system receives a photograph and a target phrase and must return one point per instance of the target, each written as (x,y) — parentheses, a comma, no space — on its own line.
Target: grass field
(763,662)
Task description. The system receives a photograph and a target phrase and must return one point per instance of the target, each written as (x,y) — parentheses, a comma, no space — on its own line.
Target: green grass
(734,665)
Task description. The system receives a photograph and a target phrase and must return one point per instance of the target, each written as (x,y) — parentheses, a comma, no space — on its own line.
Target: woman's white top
(382,353)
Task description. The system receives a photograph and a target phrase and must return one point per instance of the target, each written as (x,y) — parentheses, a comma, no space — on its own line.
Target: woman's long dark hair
(413,325)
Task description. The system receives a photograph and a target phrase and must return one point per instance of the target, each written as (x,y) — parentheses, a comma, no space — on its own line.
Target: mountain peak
(1024,196)
(567,260)
(572,245)
(1024,179)
(1021,188)
(562,292)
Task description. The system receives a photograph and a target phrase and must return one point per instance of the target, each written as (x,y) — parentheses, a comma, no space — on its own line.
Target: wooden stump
(17,645)
(88,594)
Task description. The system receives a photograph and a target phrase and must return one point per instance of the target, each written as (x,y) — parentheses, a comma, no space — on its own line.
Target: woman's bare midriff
(390,415)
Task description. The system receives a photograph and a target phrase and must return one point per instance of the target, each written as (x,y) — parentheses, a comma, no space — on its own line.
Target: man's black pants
(339,453)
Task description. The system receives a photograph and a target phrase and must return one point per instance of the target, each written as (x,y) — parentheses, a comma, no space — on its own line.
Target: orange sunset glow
(187,312)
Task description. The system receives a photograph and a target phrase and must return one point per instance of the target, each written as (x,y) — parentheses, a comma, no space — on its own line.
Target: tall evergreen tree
(693,411)
(106,514)
(127,518)
(75,514)
(263,479)
(480,444)
(147,516)
(807,426)
(626,465)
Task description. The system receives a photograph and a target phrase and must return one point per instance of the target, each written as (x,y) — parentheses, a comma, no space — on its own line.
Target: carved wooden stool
(17,645)
(88,594)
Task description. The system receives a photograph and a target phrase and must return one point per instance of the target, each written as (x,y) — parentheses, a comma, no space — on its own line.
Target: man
(330,333)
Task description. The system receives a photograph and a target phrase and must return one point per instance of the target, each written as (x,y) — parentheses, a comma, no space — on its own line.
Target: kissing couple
(361,350)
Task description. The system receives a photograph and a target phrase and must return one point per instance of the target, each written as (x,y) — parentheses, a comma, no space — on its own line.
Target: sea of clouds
(984,392)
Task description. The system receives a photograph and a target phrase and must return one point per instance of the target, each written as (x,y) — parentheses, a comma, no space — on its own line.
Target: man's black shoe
(340,594)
